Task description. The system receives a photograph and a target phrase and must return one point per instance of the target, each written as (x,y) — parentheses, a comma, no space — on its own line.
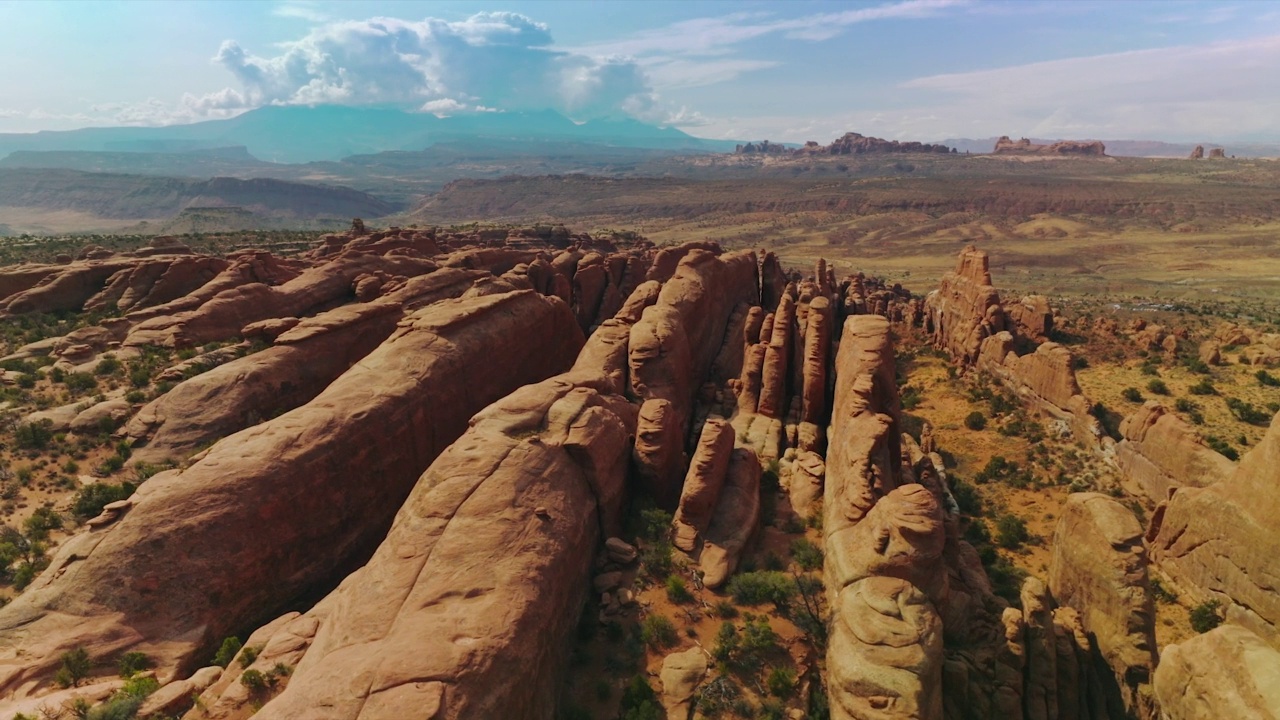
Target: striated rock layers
(202,552)
(1219,542)
(1161,452)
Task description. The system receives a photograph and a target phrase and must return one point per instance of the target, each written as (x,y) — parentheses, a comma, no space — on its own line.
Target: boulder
(681,673)
(736,519)
(1227,672)
(701,493)
(1161,452)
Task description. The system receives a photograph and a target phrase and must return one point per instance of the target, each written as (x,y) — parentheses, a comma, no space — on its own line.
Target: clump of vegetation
(756,588)
(74,668)
(1132,394)
(33,435)
(1205,617)
(975,421)
(1011,532)
(640,702)
(1204,387)
(1162,594)
(1222,447)
(132,663)
(1246,412)
(658,632)
(91,499)
(677,592)
(1158,387)
(227,651)
(1266,379)
(1006,471)
(806,554)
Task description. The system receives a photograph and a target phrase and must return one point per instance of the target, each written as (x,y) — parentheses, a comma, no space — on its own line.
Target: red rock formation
(246,519)
(1219,542)
(1005,146)
(1161,452)
(1197,153)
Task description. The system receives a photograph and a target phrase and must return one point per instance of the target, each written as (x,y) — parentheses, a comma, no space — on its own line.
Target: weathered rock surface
(1227,672)
(247,517)
(1099,568)
(1219,542)
(681,673)
(1161,452)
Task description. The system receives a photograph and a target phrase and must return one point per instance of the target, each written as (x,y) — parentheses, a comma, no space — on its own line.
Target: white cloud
(495,60)
(301,10)
(1173,92)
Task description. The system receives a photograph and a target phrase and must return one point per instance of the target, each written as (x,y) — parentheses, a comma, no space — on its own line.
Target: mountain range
(1133,148)
(300,134)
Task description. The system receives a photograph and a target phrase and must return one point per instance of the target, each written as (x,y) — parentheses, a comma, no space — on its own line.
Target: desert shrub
(676,590)
(132,663)
(1158,387)
(42,520)
(1267,379)
(975,420)
(110,464)
(640,702)
(657,631)
(248,655)
(1204,387)
(1222,447)
(108,365)
(1196,365)
(78,382)
(33,435)
(1205,617)
(227,651)
(26,381)
(725,609)
(91,499)
(756,588)
(1079,362)
(1161,593)
(1246,412)
(1132,394)
(781,682)
(1185,405)
(806,554)
(966,497)
(1011,532)
(74,668)
(254,680)
(911,397)
(135,396)
(1149,368)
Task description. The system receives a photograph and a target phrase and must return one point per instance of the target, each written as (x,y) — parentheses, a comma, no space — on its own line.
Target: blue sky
(794,71)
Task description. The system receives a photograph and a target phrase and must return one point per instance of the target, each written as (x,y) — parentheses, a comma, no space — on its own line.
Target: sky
(785,71)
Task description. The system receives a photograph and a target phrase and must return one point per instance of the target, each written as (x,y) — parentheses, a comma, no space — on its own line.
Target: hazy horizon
(790,72)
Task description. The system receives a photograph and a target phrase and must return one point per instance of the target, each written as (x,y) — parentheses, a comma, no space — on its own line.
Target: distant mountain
(1133,148)
(298,134)
(111,196)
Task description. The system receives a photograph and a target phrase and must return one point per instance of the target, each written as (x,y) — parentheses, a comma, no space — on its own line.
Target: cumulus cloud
(490,60)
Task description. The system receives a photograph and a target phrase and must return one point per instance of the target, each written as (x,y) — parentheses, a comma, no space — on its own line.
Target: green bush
(806,554)
(42,520)
(1222,447)
(1205,617)
(1184,405)
(1196,365)
(640,702)
(677,592)
(1132,394)
(108,365)
(1246,412)
(755,588)
(966,496)
(80,382)
(75,667)
(227,651)
(1204,387)
(781,682)
(34,435)
(254,680)
(658,632)
(1267,379)
(1158,387)
(132,663)
(1011,532)
(91,499)
(1161,593)
(975,420)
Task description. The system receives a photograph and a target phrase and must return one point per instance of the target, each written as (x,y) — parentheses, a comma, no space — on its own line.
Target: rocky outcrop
(1219,542)
(245,519)
(1099,568)
(1088,148)
(965,309)
(1217,153)
(1161,452)
(1197,152)
(850,143)
(1227,672)
(301,363)
(681,673)
(1032,317)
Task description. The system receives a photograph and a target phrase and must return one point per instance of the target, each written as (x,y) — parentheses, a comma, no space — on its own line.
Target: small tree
(1205,617)
(75,667)
(975,420)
